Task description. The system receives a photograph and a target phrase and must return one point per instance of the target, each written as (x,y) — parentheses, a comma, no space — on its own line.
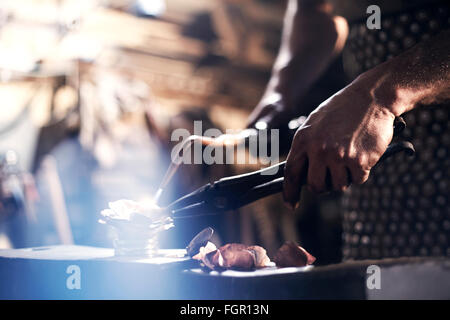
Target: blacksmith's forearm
(418,76)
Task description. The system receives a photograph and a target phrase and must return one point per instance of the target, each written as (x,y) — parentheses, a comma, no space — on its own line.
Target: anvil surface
(44,272)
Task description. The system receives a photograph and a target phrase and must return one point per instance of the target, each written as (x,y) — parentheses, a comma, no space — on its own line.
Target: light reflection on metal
(136,226)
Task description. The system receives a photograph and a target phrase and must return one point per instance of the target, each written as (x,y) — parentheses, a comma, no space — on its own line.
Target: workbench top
(50,272)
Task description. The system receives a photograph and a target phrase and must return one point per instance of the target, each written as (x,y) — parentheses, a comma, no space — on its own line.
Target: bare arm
(312,36)
(346,135)
(418,76)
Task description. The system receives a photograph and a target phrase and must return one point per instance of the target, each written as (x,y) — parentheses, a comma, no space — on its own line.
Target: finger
(339,176)
(316,175)
(294,177)
(358,175)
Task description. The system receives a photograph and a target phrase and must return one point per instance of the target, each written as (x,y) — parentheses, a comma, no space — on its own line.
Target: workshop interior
(94,205)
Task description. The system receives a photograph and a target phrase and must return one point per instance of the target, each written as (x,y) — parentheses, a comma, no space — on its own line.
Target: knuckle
(319,149)
(339,154)
(361,176)
(358,162)
(365,177)
(347,154)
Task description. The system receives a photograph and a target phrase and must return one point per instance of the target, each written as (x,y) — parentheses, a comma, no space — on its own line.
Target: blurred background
(90,92)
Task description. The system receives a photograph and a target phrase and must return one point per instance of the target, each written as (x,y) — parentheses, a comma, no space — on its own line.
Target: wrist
(382,85)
